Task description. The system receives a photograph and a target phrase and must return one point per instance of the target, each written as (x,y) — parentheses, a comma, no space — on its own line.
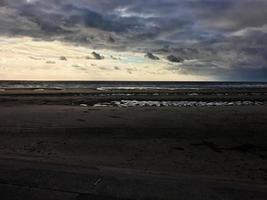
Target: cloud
(11,23)
(222,38)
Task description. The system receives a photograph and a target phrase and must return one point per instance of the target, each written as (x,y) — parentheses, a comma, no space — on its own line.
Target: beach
(83,128)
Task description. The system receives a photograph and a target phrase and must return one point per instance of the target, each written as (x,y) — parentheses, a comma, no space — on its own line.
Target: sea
(128,85)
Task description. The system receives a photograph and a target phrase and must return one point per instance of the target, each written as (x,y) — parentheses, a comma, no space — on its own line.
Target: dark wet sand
(228,143)
(90,97)
(221,142)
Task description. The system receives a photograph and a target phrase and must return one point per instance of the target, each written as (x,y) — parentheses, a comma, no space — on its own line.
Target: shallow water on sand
(134,103)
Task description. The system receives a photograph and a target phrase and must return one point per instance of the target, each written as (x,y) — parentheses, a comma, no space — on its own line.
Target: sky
(137,40)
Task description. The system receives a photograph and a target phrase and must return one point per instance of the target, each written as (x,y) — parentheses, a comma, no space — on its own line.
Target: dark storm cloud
(222,37)
(136,18)
(165,19)
(236,15)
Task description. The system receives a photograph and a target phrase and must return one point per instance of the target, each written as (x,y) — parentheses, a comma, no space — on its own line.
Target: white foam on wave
(133,88)
(39,90)
(101,105)
(193,94)
(134,103)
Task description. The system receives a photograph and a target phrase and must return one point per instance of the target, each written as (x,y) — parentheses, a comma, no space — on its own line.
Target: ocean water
(108,85)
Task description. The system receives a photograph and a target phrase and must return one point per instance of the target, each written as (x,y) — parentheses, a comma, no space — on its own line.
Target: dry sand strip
(29,180)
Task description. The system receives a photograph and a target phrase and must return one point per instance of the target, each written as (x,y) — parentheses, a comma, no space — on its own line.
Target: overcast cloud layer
(226,39)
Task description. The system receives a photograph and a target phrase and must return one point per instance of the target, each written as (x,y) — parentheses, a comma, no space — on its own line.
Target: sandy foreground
(82,144)
(228,143)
